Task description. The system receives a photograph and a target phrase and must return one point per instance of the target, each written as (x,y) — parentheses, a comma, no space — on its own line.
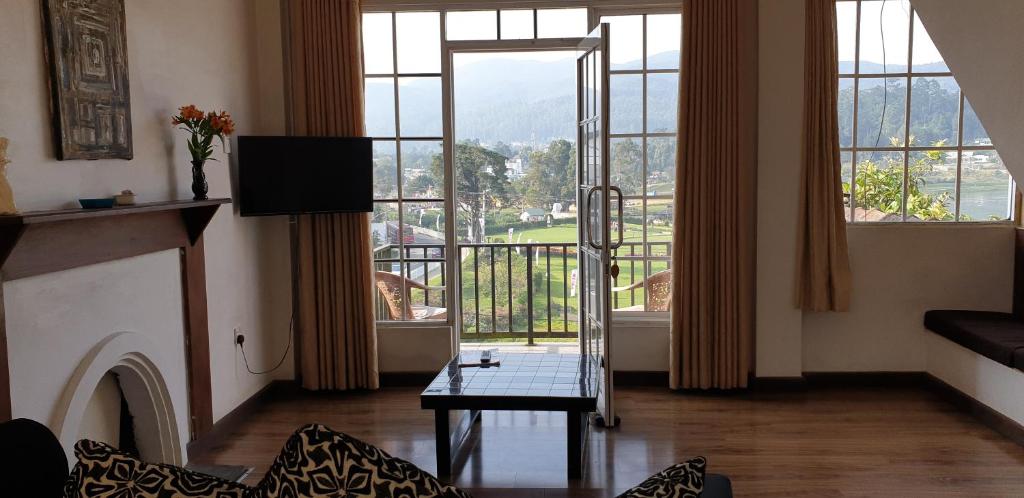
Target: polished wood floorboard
(893,442)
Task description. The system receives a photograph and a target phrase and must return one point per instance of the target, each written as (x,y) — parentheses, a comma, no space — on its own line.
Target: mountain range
(531,102)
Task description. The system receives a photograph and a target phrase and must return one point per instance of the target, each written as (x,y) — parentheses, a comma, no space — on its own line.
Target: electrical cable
(288,347)
(885,79)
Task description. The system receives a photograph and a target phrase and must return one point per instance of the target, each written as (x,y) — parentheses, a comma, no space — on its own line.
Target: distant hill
(522,101)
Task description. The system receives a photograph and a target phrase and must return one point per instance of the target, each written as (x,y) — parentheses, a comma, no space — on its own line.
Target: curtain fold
(823,279)
(335,323)
(714,236)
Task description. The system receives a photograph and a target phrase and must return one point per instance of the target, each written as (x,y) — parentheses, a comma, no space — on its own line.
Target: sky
(894,21)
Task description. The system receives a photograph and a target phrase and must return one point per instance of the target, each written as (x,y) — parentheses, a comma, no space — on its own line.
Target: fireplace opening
(118,395)
(108,416)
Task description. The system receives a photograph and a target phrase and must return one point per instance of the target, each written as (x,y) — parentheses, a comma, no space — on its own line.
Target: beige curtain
(713,239)
(336,329)
(823,279)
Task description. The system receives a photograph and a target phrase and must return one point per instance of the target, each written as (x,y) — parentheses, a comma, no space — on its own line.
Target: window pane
(422,170)
(846,35)
(664,36)
(881,98)
(561,23)
(661,166)
(659,221)
(926,57)
(845,111)
(385,170)
(378,56)
(419,42)
(846,170)
(932,186)
(384,232)
(627,38)
(380,107)
(662,102)
(879,186)
(427,301)
(626,103)
(420,107)
(426,222)
(884,37)
(626,165)
(472,25)
(516,24)
(974,131)
(934,112)
(986,190)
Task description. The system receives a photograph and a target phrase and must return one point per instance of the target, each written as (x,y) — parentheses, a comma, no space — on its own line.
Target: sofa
(315,462)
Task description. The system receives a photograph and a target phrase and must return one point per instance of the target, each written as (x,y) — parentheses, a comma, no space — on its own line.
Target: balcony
(519,292)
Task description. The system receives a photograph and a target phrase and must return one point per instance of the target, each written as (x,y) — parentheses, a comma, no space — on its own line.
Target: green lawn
(555,276)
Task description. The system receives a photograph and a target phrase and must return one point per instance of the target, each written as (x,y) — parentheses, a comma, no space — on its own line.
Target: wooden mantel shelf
(39,242)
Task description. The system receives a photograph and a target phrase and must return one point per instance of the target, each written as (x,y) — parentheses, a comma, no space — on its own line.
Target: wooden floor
(892,442)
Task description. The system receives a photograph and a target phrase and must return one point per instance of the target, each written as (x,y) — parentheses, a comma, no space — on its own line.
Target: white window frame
(854,149)
(595,10)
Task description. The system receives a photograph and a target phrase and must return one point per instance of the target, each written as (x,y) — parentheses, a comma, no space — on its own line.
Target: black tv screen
(304,175)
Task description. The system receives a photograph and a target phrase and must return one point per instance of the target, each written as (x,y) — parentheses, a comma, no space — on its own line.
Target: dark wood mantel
(34,243)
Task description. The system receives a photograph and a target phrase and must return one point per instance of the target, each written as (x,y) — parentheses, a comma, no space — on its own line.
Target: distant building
(516,166)
(532,214)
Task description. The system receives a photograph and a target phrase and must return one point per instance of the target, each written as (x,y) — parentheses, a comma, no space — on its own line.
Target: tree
(551,177)
(627,165)
(880,186)
(481,179)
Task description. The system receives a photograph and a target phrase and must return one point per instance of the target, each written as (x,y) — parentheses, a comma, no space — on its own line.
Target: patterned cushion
(682,480)
(103,472)
(318,462)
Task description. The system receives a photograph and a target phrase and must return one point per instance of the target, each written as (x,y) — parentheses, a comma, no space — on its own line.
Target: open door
(594,202)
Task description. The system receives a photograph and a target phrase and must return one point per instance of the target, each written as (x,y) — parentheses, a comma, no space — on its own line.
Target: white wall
(780,88)
(982,44)
(223,54)
(992,383)
(899,272)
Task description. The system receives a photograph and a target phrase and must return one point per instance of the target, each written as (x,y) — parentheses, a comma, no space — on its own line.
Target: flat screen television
(304,175)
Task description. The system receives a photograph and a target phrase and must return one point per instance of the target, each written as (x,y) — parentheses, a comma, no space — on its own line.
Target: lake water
(980,202)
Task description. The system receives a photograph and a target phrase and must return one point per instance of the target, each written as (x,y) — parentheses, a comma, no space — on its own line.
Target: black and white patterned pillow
(682,480)
(104,472)
(317,461)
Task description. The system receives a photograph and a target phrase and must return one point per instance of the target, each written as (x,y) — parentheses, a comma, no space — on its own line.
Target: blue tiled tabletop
(546,377)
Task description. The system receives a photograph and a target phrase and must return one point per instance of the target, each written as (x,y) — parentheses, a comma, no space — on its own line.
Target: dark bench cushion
(998,336)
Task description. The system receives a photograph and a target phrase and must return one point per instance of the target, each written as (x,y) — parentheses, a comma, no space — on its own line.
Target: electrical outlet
(239,337)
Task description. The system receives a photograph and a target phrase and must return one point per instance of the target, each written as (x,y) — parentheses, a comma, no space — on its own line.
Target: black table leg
(444,444)
(574,444)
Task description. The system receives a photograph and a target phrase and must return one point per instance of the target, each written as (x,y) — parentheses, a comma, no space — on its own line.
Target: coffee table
(523,381)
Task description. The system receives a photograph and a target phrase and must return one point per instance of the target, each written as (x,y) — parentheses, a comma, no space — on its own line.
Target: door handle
(621,202)
(590,226)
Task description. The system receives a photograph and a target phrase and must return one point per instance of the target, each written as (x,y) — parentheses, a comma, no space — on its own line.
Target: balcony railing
(514,291)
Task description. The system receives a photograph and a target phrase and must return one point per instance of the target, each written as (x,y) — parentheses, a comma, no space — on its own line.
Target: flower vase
(199,185)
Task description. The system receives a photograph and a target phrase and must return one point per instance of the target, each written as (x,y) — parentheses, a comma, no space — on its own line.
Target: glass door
(596,240)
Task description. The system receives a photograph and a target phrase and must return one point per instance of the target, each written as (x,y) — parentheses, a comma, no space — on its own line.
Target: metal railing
(519,290)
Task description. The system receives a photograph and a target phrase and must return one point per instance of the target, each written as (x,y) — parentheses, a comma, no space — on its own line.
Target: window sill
(641,319)
(937,224)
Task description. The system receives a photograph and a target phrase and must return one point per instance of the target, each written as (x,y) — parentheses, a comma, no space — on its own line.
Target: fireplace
(121,292)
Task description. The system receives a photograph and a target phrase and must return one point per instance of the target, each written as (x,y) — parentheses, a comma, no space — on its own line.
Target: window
(644,90)
(912,147)
(402,60)
(522,122)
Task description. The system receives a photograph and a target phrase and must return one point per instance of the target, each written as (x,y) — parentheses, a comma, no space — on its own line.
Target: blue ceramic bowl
(107,202)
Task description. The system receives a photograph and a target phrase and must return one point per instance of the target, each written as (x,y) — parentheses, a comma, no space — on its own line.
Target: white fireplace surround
(131,357)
